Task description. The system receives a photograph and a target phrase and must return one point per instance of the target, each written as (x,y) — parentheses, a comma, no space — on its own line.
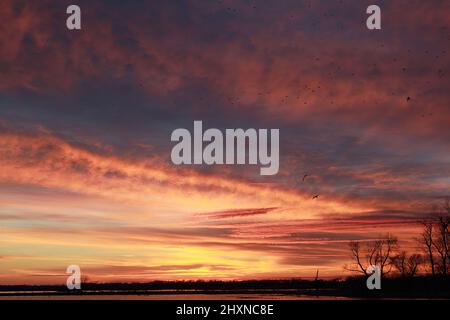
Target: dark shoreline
(425,287)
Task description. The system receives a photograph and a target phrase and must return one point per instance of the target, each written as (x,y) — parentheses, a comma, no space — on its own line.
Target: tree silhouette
(435,240)
(406,265)
(426,242)
(377,253)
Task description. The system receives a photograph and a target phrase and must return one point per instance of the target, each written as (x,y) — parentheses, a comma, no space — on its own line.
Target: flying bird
(316,196)
(304,177)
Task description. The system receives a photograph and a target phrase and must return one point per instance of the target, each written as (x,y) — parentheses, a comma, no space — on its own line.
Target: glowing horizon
(86,117)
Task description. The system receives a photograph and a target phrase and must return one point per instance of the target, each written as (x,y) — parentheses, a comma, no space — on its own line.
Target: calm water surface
(176,297)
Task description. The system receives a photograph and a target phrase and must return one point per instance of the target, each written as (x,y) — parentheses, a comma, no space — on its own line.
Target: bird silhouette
(304,177)
(316,196)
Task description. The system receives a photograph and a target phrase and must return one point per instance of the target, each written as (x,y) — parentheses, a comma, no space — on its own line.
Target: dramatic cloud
(86,117)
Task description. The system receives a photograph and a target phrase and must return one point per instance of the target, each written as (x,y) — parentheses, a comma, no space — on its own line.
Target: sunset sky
(86,117)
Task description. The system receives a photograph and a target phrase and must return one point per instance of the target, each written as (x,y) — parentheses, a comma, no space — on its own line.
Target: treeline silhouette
(417,287)
(385,254)
(408,275)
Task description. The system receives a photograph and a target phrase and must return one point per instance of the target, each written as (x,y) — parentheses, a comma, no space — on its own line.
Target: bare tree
(355,250)
(426,242)
(399,263)
(84,279)
(378,253)
(441,243)
(414,262)
(406,265)
(435,240)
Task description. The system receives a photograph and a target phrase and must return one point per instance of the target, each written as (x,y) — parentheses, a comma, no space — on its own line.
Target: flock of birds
(309,89)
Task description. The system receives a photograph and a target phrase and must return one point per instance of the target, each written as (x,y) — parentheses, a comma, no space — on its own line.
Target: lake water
(249,296)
